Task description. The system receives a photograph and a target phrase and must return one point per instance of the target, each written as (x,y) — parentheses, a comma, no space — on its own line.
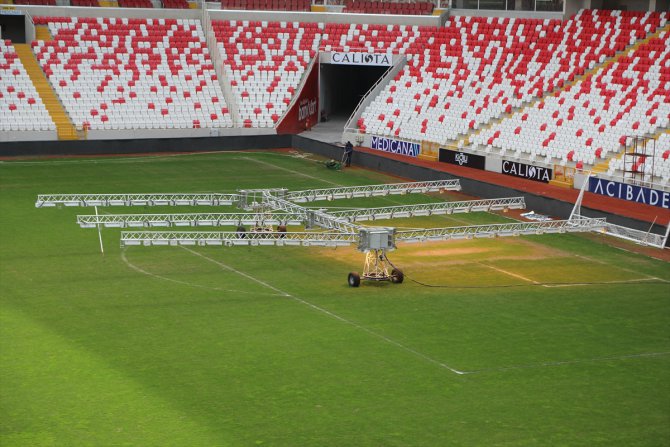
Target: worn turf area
(542,340)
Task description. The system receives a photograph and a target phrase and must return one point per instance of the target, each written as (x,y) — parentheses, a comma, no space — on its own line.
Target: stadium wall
(144,146)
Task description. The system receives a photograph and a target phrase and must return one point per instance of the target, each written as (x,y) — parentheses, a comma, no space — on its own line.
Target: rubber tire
(241,232)
(354,279)
(397,277)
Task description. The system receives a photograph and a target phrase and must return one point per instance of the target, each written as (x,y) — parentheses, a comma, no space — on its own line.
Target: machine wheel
(354,279)
(397,276)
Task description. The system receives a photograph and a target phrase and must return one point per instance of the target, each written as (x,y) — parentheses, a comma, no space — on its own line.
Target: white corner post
(577,209)
(102,249)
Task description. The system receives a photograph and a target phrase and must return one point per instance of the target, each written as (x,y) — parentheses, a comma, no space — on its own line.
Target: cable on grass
(534,284)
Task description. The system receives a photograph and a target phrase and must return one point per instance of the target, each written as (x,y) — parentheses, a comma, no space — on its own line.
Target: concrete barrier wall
(25,135)
(134,146)
(176,133)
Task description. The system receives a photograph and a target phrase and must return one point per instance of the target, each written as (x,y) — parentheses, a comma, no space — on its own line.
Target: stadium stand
(477,70)
(589,119)
(264,62)
(379,7)
(132,73)
(268,5)
(21,108)
(547,90)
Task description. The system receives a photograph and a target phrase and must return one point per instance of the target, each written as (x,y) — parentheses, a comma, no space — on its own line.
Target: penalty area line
(514,275)
(124,258)
(333,315)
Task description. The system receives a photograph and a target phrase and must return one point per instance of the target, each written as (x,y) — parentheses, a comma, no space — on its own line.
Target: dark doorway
(343,86)
(13,27)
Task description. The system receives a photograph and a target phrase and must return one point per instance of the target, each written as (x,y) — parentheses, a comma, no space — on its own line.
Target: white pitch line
(598,261)
(332,315)
(153,275)
(569,362)
(229,268)
(623,281)
(514,275)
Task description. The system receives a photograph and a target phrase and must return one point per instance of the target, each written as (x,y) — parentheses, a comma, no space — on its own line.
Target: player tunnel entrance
(343,86)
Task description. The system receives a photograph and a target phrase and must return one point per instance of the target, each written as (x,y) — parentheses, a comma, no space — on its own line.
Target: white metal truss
(633,235)
(312,217)
(187,220)
(349,192)
(276,207)
(178,199)
(231,238)
(576,224)
(430,209)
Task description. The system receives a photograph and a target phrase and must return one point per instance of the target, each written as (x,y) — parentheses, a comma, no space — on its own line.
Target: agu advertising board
(462,159)
(395,146)
(632,193)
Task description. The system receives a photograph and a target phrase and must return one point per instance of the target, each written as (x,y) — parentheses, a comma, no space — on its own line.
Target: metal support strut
(377,267)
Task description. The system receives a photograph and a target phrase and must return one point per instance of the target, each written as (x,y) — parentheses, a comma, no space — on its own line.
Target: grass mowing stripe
(570,362)
(292,171)
(331,314)
(58,386)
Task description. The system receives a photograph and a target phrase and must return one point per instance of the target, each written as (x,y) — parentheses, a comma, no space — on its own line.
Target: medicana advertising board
(631,193)
(395,146)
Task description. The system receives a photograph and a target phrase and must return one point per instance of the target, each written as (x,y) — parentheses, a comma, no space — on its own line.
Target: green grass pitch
(246,346)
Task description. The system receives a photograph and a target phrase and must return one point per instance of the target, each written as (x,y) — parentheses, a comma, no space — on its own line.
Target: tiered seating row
(388,7)
(92,3)
(21,108)
(175,4)
(132,73)
(268,5)
(36,2)
(135,3)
